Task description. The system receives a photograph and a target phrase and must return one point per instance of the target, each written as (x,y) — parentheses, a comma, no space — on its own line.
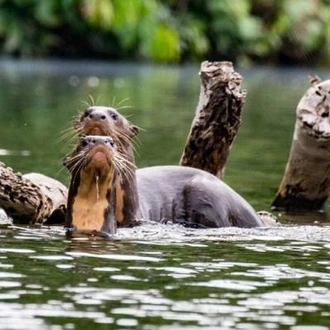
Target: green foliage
(246,31)
(99,13)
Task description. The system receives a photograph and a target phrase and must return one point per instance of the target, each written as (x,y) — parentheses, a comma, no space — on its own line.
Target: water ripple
(114,256)
(221,279)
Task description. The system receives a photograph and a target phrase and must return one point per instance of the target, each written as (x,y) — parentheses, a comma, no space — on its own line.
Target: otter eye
(110,142)
(87,112)
(113,115)
(84,142)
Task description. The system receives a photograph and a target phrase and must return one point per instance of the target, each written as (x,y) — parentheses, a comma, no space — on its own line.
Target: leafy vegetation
(244,31)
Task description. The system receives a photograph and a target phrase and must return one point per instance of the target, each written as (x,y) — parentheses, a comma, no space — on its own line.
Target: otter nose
(91,140)
(96,116)
(96,140)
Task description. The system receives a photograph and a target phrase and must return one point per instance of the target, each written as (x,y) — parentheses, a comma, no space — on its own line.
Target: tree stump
(32,198)
(306,181)
(217,118)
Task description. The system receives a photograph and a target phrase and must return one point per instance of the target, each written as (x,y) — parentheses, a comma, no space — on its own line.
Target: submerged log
(306,181)
(31,198)
(217,118)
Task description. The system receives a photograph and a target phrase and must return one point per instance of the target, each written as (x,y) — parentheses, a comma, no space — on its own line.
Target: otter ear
(134,130)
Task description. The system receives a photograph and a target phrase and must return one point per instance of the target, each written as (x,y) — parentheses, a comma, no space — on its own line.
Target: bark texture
(31,198)
(306,181)
(217,118)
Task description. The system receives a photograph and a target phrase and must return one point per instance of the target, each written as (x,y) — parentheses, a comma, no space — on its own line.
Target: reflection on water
(157,276)
(5,152)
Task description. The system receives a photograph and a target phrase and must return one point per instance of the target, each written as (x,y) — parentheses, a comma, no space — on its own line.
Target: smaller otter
(97,191)
(98,194)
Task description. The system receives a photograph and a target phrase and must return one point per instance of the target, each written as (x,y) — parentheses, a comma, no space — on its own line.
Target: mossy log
(217,118)
(31,198)
(306,181)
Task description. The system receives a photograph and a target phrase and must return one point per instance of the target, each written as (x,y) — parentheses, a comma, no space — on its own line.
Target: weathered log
(31,198)
(306,181)
(217,118)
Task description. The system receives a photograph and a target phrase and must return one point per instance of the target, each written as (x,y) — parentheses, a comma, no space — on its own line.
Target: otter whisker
(117,165)
(75,122)
(93,102)
(119,169)
(124,167)
(69,137)
(128,175)
(125,161)
(80,131)
(69,143)
(77,169)
(71,159)
(76,163)
(122,101)
(60,167)
(86,104)
(91,99)
(122,136)
(113,103)
(74,157)
(89,103)
(68,130)
(116,106)
(123,107)
(126,137)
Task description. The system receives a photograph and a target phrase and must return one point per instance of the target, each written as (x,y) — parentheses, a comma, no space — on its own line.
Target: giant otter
(99,199)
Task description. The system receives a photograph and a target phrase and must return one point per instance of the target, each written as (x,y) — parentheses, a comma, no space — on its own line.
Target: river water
(159,276)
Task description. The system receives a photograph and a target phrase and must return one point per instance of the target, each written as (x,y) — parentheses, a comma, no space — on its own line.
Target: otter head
(101,120)
(91,193)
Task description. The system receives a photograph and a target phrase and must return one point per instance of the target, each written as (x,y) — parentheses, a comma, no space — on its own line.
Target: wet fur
(183,195)
(191,197)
